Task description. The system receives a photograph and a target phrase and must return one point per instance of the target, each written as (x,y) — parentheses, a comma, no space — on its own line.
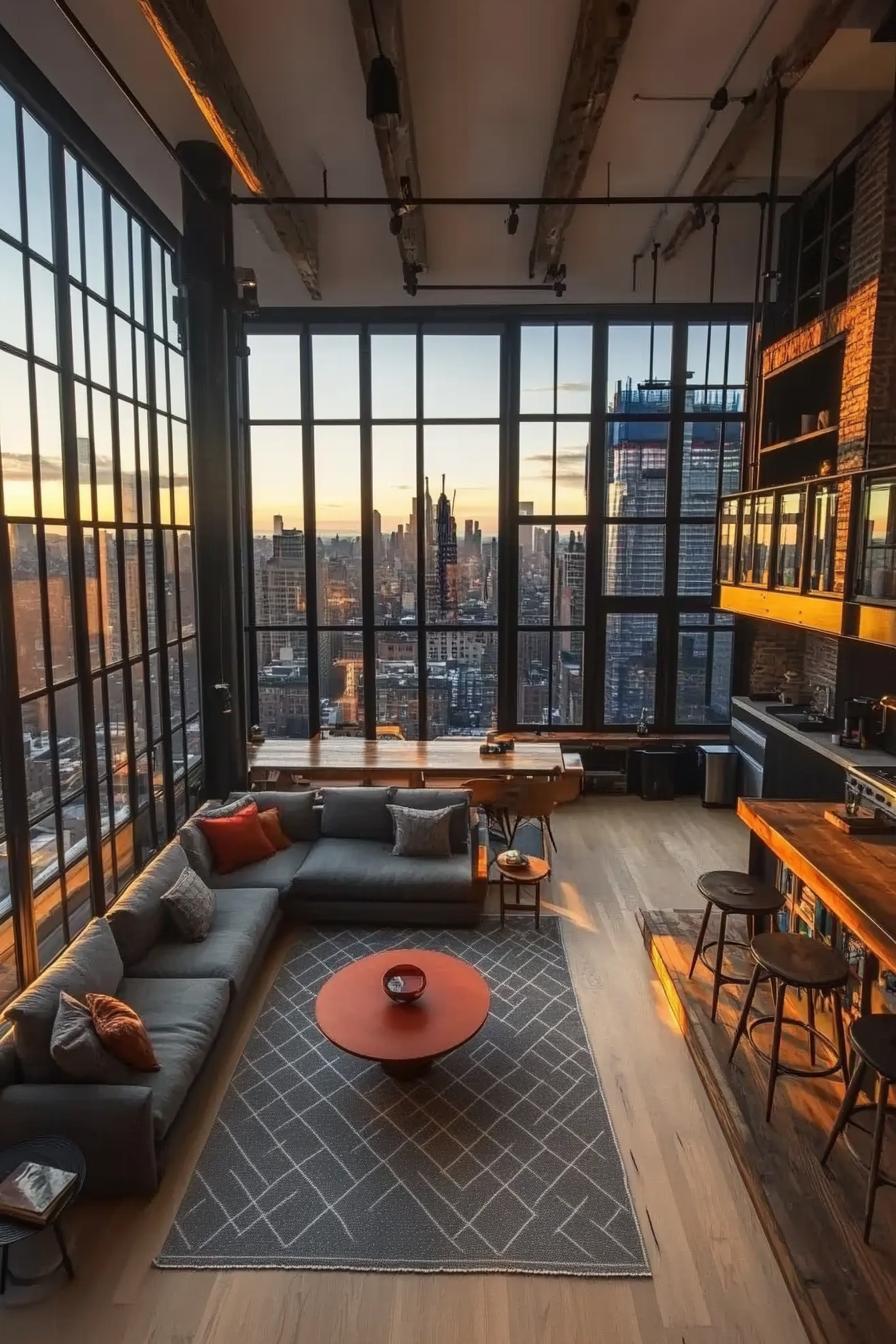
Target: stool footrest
(796,1069)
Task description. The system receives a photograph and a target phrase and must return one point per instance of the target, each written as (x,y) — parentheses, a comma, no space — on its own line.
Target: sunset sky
(461,380)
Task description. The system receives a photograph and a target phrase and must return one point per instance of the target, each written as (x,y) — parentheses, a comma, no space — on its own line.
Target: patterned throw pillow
(122,1032)
(191,906)
(421,834)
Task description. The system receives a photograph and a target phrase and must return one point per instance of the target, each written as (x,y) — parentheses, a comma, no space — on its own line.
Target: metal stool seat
(791,960)
(731,893)
(873,1039)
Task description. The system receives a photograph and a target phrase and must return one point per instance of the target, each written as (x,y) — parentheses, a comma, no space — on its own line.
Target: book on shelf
(33,1192)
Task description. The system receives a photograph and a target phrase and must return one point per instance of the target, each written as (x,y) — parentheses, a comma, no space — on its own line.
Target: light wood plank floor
(714,1277)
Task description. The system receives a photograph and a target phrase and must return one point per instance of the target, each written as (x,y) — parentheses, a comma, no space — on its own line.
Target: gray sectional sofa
(339,866)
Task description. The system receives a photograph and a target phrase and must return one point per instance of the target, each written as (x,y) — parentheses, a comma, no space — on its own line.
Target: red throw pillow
(236,840)
(122,1032)
(270,824)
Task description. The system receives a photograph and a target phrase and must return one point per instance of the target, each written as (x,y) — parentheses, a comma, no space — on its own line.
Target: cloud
(20,467)
(562,387)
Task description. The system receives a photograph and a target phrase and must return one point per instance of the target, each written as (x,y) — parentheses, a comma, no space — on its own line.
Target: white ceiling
(486,80)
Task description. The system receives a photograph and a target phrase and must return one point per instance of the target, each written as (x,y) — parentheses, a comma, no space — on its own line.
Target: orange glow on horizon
(205,105)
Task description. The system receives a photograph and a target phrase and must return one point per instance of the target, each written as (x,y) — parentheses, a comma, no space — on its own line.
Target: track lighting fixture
(395,221)
(512,222)
(699,216)
(383,103)
(718,101)
(410,271)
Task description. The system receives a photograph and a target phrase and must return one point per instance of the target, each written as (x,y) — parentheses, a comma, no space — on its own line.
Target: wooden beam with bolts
(787,69)
(396,145)
(194,45)
(600,38)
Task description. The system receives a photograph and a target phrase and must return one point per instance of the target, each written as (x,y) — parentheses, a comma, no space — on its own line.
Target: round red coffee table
(356,1014)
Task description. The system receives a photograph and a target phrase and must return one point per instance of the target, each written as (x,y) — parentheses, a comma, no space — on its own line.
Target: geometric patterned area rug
(500,1158)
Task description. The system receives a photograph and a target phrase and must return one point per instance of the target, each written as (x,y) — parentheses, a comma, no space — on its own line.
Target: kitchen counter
(853,875)
(820,742)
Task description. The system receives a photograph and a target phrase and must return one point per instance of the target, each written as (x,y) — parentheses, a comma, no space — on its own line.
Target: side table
(51,1151)
(532,874)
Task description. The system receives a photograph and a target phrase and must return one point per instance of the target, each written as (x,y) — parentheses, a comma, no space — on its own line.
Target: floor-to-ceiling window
(100,706)
(386,599)
(374,481)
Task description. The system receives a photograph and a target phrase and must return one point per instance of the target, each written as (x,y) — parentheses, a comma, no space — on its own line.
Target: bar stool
(873,1039)
(731,893)
(796,962)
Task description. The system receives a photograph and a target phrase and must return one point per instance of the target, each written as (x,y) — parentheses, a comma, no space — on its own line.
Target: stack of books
(34,1192)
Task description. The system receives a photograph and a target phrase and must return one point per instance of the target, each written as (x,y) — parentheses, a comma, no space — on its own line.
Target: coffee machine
(861,723)
(888,723)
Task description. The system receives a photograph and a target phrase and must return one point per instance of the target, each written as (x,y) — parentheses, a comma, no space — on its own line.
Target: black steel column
(206,278)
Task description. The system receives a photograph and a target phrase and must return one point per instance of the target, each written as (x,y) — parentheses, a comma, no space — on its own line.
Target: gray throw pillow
(78,1051)
(421,833)
(191,905)
(92,964)
(431,800)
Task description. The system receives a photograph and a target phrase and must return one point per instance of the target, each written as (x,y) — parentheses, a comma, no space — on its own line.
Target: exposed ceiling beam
(397,147)
(597,47)
(195,47)
(787,68)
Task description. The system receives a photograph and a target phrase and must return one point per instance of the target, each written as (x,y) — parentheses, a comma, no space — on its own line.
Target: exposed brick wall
(868,213)
(821,655)
(773,651)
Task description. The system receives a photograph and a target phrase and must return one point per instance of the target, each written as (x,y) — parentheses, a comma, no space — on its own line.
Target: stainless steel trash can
(718,775)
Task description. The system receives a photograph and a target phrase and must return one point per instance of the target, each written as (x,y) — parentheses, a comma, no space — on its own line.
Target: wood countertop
(333,757)
(854,875)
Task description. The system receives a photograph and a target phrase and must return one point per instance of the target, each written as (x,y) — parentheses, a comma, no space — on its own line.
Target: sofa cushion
(299,817)
(242,919)
(138,917)
(360,870)
(432,800)
(356,814)
(92,964)
(182,1017)
(190,906)
(277,871)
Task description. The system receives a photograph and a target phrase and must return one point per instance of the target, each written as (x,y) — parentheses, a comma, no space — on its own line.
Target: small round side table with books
(518,875)
(50,1151)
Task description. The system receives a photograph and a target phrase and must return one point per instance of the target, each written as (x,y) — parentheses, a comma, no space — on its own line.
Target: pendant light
(383,103)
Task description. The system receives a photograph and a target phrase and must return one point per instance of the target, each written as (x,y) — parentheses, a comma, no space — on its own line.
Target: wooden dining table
(334,758)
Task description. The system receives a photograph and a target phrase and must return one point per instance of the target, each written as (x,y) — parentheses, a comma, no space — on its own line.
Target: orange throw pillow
(122,1032)
(270,824)
(236,840)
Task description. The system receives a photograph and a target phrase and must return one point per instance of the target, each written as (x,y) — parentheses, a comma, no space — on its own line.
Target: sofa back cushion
(92,964)
(356,814)
(138,917)
(433,800)
(299,817)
